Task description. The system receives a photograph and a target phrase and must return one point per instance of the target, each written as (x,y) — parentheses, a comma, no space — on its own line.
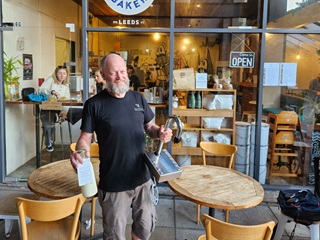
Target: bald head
(114,70)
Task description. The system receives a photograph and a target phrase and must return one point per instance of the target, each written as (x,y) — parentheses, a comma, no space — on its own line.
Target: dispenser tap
(177,137)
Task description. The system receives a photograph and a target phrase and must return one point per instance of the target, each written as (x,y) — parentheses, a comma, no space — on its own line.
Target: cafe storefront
(265,53)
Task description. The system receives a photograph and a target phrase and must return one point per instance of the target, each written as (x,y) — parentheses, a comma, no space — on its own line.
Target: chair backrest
(94,149)
(217,229)
(219,150)
(49,211)
(284,137)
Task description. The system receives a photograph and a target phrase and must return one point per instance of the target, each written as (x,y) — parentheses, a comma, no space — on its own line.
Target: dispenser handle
(178,135)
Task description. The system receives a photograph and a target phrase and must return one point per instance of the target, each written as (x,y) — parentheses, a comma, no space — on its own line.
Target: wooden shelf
(193,121)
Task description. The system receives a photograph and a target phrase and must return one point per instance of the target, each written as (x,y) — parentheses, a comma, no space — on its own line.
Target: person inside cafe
(134,79)
(99,82)
(55,87)
(314,87)
(120,117)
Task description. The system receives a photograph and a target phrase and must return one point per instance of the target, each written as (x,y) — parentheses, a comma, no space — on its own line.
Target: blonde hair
(54,75)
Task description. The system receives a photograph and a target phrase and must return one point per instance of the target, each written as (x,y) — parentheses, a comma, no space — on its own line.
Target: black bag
(302,205)
(25,92)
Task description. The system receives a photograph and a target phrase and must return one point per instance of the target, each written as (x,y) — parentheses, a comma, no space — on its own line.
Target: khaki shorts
(116,207)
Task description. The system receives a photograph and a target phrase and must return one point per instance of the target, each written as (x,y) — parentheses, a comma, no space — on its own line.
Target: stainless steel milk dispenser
(161,164)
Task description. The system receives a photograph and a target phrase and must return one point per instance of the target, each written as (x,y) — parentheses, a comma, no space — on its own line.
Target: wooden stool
(9,211)
(251,115)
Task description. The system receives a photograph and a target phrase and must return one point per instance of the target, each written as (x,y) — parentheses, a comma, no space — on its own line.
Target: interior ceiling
(211,13)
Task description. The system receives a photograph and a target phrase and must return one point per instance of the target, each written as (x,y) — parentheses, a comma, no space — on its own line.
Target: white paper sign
(201,80)
(85,173)
(271,74)
(288,74)
(280,74)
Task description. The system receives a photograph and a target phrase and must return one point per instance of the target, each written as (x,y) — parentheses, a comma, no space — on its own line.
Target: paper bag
(184,79)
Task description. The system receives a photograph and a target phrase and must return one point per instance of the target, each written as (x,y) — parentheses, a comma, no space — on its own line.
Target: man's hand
(75,159)
(164,134)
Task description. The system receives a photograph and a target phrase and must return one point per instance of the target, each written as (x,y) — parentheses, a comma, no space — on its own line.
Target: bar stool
(57,106)
(251,116)
(61,136)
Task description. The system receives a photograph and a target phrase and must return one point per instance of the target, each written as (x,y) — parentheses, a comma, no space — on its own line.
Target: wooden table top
(63,103)
(58,180)
(217,187)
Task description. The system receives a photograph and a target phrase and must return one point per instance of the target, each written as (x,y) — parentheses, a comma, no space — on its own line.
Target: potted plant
(310,110)
(11,78)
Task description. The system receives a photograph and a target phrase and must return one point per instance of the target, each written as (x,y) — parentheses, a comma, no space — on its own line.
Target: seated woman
(56,86)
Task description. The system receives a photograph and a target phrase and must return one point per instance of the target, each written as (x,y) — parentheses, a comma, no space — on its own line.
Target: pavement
(176,216)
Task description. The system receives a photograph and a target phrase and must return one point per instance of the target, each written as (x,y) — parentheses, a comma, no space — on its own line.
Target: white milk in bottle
(86,177)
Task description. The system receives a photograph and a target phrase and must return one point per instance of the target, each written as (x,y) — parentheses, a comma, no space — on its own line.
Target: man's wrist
(53,92)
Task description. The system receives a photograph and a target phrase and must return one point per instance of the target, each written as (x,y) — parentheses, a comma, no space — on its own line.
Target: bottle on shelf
(191,101)
(198,104)
(175,100)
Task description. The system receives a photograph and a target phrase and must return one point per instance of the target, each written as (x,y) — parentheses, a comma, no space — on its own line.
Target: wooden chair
(9,211)
(51,219)
(218,150)
(94,152)
(216,229)
(94,149)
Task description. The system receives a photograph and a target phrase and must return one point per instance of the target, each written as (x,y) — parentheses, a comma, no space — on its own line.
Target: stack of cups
(242,141)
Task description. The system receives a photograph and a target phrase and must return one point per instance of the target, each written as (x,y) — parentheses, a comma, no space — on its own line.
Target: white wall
(41,22)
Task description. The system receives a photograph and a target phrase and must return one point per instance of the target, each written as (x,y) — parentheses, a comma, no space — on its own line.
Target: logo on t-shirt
(137,108)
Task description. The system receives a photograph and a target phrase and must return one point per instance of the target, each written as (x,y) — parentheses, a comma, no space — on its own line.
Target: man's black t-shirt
(119,125)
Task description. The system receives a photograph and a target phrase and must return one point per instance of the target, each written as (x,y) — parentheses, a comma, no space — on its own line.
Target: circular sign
(129,7)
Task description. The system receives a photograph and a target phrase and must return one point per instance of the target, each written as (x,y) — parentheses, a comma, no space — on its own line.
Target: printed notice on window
(271,74)
(280,74)
(288,74)
(85,173)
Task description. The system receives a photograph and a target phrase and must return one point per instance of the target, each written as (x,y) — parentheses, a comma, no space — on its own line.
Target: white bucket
(242,132)
(183,160)
(263,154)
(242,155)
(262,172)
(243,168)
(264,133)
(263,162)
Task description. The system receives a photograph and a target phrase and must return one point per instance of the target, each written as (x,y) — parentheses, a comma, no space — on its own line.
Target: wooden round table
(58,180)
(217,187)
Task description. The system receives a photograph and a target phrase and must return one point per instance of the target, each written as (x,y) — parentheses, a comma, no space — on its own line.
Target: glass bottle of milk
(86,177)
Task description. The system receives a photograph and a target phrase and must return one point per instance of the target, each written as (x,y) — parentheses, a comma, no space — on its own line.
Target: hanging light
(298,54)
(156,36)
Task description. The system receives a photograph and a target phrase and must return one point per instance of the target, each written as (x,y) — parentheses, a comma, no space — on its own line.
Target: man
(314,87)
(134,79)
(119,117)
(99,83)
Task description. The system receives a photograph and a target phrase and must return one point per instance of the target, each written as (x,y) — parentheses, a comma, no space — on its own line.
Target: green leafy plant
(10,71)
(310,110)
(11,66)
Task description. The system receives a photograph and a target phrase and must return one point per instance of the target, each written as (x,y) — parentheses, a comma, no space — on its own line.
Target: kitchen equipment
(161,164)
